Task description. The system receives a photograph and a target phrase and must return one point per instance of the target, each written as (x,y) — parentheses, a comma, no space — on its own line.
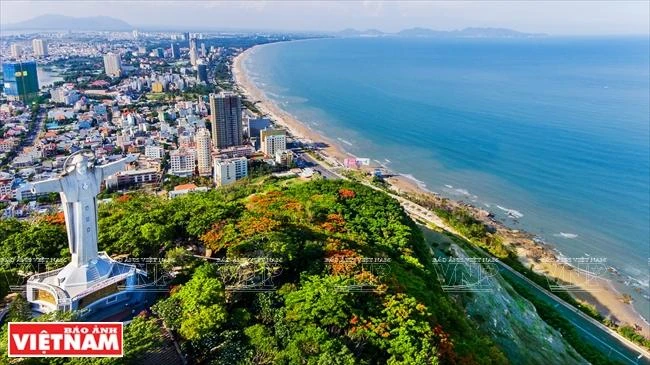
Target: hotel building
(273,141)
(225,116)
(183,162)
(230,170)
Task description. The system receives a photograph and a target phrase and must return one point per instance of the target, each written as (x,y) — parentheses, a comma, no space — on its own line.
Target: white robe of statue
(79,187)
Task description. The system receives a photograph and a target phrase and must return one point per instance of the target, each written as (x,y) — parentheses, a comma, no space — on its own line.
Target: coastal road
(318,166)
(615,346)
(595,333)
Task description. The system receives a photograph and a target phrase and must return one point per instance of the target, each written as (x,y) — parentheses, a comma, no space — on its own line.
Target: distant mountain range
(425,32)
(106,23)
(62,22)
(349,32)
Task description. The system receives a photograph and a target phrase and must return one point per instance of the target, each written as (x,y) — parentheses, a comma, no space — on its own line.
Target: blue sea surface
(551,134)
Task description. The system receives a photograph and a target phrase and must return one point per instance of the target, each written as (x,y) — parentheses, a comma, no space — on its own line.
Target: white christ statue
(79,185)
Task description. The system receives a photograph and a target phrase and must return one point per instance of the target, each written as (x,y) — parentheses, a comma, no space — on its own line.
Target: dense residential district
(166,98)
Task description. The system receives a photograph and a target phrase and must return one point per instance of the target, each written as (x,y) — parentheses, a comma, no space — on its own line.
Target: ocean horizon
(550,134)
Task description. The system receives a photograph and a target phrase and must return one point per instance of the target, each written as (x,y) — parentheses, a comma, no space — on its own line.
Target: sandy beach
(593,290)
(295,127)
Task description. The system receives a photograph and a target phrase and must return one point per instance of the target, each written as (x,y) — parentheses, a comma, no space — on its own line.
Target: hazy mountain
(350,32)
(421,32)
(426,32)
(373,32)
(62,22)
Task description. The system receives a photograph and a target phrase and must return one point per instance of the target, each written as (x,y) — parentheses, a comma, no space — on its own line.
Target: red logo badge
(59,339)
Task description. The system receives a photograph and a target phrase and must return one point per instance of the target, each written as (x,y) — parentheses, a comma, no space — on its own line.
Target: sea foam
(566,235)
(511,212)
(345,141)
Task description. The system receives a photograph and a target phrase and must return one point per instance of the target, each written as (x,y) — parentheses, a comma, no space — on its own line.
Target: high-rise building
(40,47)
(203,151)
(20,80)
(193,57)
(272,141)
(176,50)
(203,51)
(182,162)
(186,36)
(255,125)
(227,171)
(16,50)
(160,53)
(193,43)
(113,65)
(225,116)
(202,72)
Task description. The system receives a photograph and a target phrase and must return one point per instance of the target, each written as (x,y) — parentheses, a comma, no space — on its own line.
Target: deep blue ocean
(551,134)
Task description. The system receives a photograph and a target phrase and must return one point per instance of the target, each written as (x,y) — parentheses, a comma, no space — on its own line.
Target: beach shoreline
(598,292)
(278,115)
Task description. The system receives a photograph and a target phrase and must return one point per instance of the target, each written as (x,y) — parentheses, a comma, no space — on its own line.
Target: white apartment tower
(182,162)
(40,47)
(273,141)
(113,64)
(203,151)
(16,50)
(227,171)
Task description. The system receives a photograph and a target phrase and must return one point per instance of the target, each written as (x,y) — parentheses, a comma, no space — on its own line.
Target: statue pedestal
(89,288)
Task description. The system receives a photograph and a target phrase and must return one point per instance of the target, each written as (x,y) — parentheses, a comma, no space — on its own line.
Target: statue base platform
(89,288)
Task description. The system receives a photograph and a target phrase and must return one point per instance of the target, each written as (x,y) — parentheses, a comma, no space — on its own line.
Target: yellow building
(157,87)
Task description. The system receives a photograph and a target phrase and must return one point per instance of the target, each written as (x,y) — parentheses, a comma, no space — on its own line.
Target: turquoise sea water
(553,131)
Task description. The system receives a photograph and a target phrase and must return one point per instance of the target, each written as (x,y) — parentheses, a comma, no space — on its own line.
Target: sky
(552,17)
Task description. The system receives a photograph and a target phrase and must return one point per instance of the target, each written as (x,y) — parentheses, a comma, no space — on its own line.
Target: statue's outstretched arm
(115,166)
(46,186)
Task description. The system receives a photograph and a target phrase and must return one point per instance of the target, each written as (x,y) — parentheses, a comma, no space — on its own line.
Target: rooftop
(185,187)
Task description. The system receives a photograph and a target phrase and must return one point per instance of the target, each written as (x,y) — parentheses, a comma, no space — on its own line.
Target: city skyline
(555,18)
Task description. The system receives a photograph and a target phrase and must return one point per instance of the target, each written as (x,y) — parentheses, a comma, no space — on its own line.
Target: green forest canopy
(401,315)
